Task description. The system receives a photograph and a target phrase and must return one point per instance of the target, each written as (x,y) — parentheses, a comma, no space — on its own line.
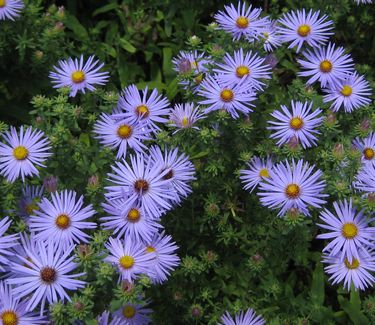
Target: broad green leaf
(105,8)
(127,46)
(317,285)
(72,23)
(352,310)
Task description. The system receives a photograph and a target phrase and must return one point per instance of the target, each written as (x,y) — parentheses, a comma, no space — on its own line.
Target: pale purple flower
(103,319)
(258,169)
(191,62)
(10,9)
(31,196)
(367,148)
(243,318)
(270,36)
(365,180)
(6,242)
(134,314)
(184,116)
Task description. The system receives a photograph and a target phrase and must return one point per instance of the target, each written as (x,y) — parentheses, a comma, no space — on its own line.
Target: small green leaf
(105,8)
(73,23)
(317,285)
(127,46)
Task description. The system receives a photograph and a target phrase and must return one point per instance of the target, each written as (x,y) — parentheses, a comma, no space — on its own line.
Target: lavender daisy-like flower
(246,66)
(62,219)
(142,182)
(243,318)
(77,75)
(258,169)
(350,93)
(103,319)
(190,63)
(300,26)
(184,116)
(134,222)
(365,180)
(180,171)
(301,122)
(129,257)
(6,242)
(367,148)
(270,36)
(10,9)
(14,311)
(133,314)
(45,275)
(147,109)
(292,186)
(234,98)
(328,65)
(243,21)
(358,2)
(22,152)
(165,259)
(120,134)
(31,196)
(349,230)
(356,272)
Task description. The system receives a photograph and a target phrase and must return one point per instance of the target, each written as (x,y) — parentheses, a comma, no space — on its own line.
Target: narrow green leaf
(127,46)
(317,285)
(354,313)
(73,24)
(105,8)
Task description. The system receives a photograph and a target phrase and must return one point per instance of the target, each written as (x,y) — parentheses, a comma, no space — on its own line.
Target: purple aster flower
(129,257)
(133,314)
(242,21)
(292,186)
(45,276)
(365,180)
(299,27)
(165,260)
(79,75)
(10,9)
(31,196)
(184,116)
(134,222)
(21,152)
(62,219)
(231,98)
(258,170)
(270,36)
(120,134)
(142,181)
(328,65)
(180,171)
(242,66)
(355,272)
(103,319)
(351,93)
(14,311)
(349,231)
(301,123)
(146,109)
(243,318)
(367,148)
(6,242)
(190,62)
(358,2)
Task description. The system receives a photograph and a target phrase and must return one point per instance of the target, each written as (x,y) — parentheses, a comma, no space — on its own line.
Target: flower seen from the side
(258,169)
(185,116)
(367,148)
(31,196)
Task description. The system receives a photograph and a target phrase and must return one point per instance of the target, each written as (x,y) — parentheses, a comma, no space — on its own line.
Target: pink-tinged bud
(338,150)
(50,183)
(293,142)
(93,181)
(271,60)
(184,66)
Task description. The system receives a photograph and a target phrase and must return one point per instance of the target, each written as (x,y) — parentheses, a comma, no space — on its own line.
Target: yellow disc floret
(346,90)
(264,173)
(126,261)
(129,312)
(3,3)
(326,66)
(353,265)
(142,110)
(133,215)
(226,95)
(349,230)
(369,153)
(292,191)
(304,30)
(124,131)
(9,317)
(296,123)
(78,77)
(242,22)
(62,221)
(20,153)
(242,71)
(150,249)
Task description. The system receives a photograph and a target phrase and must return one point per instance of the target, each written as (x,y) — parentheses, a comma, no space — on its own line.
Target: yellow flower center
(349,230)
(9,317)
(242,22)
(304,30)
(20,153)
(326,66)
(124,131)
(292,191)
(242,71)
(296,123)
(129,311)
(185,121)
(78,76)
(266,35)
(126,261)
(369,153)
(133,215)
(226,95)
(150,249)
(264,172)
(351,266)
(2,3)
(198,79)
(62,221)
(29,208)
(193,64)
(346,90)
(142,111)
(48,275)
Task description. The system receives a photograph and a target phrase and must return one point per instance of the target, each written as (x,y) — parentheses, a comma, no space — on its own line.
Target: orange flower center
(242,22)
(296,123)
(326,66)
(48,275)
(124,131)
(304,30)
(292,191)
(62,221)
(226,95)
(9,317)
(369,153)
(133,215)
(141,185)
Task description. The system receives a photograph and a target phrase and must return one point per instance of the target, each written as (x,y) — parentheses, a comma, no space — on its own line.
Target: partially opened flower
(365,180)
(10,9)
(14,311)
(243,318)
(234,98)
(133,314)
(45,275)
(121,134)
(356,272)
(300,122)
(22,153)
(31,196)
(328,65)
(293,185)
(165,258)
(79,75)
(300,26)
(184,116)
(6,242)
(190,63)
(367,148)
(348,231)
(129,257)
(248,66)
(350,93)
(270,36)
(62,219)
(258,169)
